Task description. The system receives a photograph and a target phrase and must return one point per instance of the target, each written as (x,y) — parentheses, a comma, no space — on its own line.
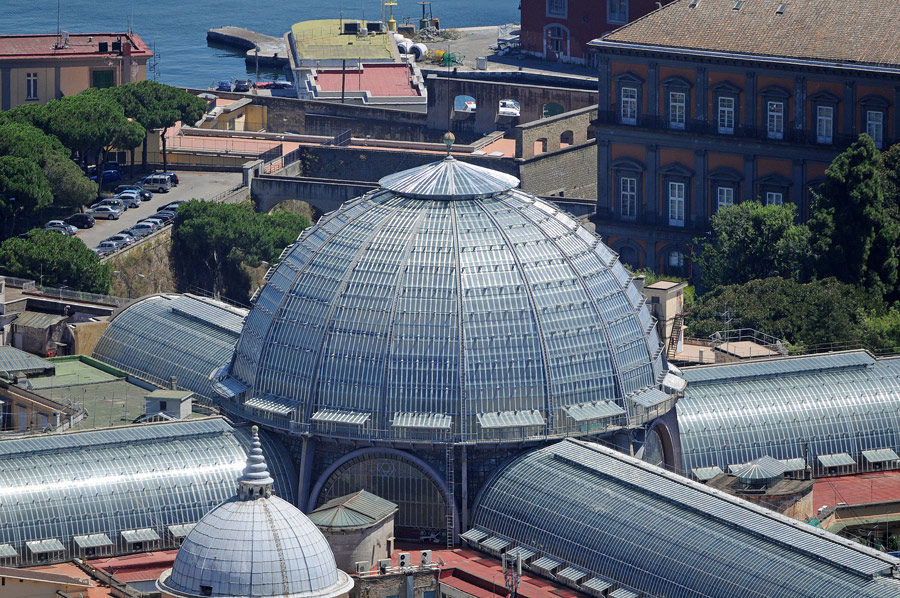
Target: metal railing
(82,296)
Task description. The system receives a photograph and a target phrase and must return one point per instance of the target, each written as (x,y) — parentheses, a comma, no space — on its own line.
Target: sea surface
(177,28)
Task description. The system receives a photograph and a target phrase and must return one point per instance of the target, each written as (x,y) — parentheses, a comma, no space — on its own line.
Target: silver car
(107,247)
(108,212)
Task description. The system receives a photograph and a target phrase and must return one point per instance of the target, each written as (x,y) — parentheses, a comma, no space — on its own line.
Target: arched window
(552,109)
(464,103)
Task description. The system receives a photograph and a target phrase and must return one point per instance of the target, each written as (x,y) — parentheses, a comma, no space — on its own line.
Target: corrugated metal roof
(13,360)
(449,179)
(34,319)
(623,593)
(881,455)
(510,419)
(140,535)
(431,421)
(525,553)
(474,535)
(496,543)
(836,460)
(573,574)
(44,546)
(93,541)
(7,551)
(706,473)
(181,530)
(341,416)
(775,367)
(359,509)
(764,468)
(547,563)
(277,407)
(649,397)
(796,464)
(598,584)
(595,410)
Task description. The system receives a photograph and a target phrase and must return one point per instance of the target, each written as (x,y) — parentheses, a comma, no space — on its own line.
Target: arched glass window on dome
(422,508)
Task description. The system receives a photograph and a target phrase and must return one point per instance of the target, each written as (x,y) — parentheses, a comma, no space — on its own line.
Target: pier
(273,51)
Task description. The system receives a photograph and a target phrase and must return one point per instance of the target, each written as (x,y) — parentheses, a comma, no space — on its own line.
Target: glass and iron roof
(161,336)
(495,312)
(13,361)
(655,533)
(795,408)
(85,488)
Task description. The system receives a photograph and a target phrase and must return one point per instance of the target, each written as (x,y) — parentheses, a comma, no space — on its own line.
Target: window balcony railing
(789,134)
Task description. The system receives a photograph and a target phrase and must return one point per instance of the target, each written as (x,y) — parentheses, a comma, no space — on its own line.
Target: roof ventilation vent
(781,8)
(738,5)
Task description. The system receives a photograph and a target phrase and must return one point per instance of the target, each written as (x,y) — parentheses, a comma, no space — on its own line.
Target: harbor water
(177,28)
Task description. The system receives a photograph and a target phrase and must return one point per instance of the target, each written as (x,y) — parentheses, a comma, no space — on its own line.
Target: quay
(272,50)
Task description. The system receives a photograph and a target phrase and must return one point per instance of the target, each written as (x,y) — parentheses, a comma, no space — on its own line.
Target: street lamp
(127,282)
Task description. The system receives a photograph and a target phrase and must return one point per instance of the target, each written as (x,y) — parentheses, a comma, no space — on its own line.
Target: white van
(161,183)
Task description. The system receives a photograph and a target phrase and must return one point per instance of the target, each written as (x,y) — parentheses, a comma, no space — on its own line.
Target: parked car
(129,199)
(70,229)
(80,220)
(224,85)
(242,85)
(154,221)
(166,218)
(143,228)
(172,177)
(137,233)
(109,176)
(113,202)
(107,212)
(122,239)
(59,229)
(157,182)
(107,247)
(144,193)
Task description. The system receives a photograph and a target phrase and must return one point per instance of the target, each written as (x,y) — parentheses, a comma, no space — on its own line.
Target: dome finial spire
(255,482)
(449,139)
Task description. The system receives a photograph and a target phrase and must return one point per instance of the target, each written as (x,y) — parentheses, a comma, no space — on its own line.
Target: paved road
(200,185)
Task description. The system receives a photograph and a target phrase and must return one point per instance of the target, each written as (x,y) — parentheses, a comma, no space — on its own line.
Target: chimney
(173,383)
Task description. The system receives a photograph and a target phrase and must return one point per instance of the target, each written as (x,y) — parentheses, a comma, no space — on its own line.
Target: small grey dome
(255,545)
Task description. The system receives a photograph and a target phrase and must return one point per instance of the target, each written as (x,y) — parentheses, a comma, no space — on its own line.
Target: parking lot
(199,185)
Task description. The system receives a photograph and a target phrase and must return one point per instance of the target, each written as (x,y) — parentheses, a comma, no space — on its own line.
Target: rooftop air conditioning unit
(362,567)
(403,560)
(384,565)
(426,557)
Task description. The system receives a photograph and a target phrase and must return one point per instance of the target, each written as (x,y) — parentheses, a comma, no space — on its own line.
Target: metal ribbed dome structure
(447,306)
(255,545)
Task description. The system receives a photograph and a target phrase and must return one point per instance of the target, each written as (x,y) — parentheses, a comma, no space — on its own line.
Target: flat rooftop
(380,80)
(323,40)
(860,489)
(78,45)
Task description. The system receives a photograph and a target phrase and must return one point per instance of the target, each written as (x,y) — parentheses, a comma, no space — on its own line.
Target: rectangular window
(556,8)
(617,11)
(102,79)
(676,204)
(875,126)
(629,105)
(824,124)
(31,86)
(775,120)
(725,197)
(774,198)
(628,196)
(726,115)
(677,109)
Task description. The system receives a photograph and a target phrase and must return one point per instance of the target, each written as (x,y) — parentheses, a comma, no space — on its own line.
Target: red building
(561,29)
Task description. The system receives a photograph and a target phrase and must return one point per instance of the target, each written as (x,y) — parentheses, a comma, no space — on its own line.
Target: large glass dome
(446,305)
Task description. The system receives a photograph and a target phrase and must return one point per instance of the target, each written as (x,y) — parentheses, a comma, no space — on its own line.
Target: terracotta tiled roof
(857,31)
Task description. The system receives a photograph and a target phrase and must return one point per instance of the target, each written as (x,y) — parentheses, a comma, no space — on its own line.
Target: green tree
(68,184)
(24,190)
(157,106)
(56,260)
(821,311)
(854,229)
(92,120)
(212,243)
(750,241)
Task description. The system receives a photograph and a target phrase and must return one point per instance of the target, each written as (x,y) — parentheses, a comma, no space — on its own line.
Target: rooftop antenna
(512,572)
(58,6)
